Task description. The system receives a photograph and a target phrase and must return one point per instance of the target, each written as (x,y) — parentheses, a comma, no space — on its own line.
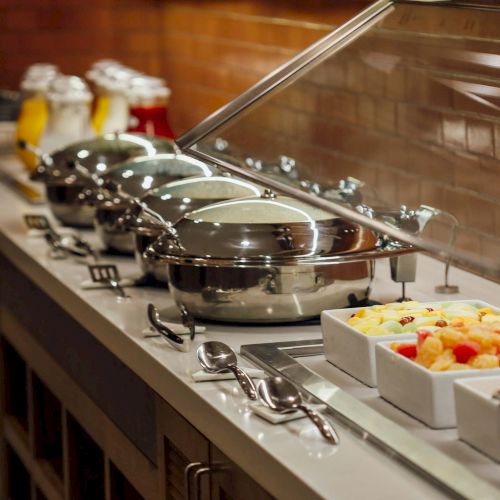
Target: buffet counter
(288,460)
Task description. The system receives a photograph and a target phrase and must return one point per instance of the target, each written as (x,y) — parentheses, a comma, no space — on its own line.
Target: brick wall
(414,115)
(209,50)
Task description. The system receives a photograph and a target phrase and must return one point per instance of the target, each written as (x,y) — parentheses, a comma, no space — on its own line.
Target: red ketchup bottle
(148,107)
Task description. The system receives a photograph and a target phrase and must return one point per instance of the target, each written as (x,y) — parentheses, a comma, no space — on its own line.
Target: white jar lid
(37,77)
(66,88)
(147,87)
(102,67)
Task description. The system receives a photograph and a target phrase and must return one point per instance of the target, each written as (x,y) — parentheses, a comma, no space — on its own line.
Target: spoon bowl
(282,396)
(217,357)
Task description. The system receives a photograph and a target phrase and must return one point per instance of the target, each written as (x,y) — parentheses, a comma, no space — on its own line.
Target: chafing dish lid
(268,208)
(261,230)
(99,154)
(144,173)
(212,188)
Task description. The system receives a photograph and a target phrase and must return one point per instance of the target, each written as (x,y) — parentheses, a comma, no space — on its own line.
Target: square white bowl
(478,414)
(353,351)
(426,395)
(350,350)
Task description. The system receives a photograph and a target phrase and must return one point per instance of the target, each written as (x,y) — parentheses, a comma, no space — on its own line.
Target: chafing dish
(267,259)
(127,181)
(166,204)
(64,182)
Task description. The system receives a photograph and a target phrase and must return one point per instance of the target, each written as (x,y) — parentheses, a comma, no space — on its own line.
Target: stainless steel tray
(451,475)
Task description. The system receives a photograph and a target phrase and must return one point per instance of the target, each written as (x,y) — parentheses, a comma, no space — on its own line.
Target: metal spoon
(217,357)
(282,396)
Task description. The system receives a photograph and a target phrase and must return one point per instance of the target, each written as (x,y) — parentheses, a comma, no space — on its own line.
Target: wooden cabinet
(58,443)
(230,482)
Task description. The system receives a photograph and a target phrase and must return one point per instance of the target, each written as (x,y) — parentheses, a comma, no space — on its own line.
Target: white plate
(353,351)
(424,394)
(478,414)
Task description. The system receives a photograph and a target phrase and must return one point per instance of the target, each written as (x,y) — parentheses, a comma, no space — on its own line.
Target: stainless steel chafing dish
(64,179)
(125,182)
(267,259)
(166,204)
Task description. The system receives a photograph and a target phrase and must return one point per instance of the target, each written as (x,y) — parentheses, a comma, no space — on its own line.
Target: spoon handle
(245,381)
(322,424)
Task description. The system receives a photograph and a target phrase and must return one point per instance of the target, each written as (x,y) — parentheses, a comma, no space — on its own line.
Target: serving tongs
(176,341)
(60,245)
(107,274)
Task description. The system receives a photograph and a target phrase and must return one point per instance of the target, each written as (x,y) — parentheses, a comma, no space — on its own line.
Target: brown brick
(385,115)
(481,214)
(431,193)
(420,123)
(497,140)
(480,137)
(454,131)
(366,111)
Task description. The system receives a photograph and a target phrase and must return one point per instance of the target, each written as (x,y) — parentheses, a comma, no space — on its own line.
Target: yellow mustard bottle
(34,111)
(30,126)
(101,111)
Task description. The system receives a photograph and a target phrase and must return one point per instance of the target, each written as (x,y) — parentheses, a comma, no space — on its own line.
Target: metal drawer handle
(200,469)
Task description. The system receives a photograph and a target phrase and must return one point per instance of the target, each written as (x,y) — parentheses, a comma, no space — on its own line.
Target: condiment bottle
(148,101)
(33,116)
(115,87)
(69,113)
(95,76)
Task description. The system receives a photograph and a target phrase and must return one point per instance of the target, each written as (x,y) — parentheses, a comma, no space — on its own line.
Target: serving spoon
(217,357)
(282,396)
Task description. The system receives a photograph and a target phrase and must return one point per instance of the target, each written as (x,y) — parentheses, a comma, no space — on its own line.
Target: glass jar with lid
(94,76)
(113,87)
(69,101)
(148,106)
(34,112)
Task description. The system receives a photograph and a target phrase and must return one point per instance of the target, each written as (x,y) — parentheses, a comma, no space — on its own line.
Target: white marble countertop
(289,460)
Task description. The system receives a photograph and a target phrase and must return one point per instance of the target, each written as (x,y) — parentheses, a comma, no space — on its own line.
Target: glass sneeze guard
(404,101)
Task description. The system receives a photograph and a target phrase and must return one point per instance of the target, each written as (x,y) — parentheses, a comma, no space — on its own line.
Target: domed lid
(209,188)
(265,230)
(144,173)
(268,208)
(99,154)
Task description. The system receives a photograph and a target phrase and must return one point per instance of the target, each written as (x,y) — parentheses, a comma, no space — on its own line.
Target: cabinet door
(184,458)
(230,482)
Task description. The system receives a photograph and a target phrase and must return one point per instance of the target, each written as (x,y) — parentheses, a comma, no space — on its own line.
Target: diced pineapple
(430,350)
(483,361)
(364,326)
(482,335)
(443,361)
(361,313)
(450,336)
(427,320)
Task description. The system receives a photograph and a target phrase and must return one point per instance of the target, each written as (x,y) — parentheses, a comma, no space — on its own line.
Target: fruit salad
(408,317)
(458,347)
